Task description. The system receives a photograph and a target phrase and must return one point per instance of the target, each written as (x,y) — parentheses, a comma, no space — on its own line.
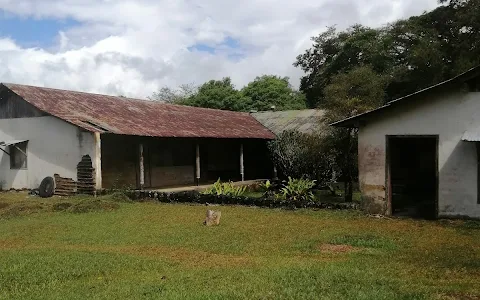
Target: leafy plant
(268,188)
(226,189)
(298,190)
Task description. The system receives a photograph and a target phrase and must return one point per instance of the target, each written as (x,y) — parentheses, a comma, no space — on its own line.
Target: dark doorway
(413,175)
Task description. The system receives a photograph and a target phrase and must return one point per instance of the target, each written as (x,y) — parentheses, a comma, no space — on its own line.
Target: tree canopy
(261,94)
(409,54)
(269,90)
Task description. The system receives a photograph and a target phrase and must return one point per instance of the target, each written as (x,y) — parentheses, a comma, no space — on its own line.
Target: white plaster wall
(448,115)
(54,147)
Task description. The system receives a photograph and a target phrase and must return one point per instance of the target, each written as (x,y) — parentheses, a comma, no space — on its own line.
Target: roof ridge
(154,102)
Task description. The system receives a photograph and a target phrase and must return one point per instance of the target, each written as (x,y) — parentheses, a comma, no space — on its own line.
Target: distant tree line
(261,94)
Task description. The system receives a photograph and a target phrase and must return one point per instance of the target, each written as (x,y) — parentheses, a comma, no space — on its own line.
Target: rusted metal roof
(305,121)
(119,115)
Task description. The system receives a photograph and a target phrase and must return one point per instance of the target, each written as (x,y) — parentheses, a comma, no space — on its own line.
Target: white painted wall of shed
(448,115)
(54,147)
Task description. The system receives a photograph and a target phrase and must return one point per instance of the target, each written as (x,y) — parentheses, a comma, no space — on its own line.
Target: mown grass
(160,251)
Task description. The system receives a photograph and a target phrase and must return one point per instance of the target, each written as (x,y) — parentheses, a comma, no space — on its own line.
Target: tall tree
(336,52)
(270,90)
(349,94)
(175,96)
(414,53)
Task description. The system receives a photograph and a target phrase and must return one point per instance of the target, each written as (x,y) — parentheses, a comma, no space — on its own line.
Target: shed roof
(306,121)
(354,121)
(119,115)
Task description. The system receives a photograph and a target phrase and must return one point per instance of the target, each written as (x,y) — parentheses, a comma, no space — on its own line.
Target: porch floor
(203,186)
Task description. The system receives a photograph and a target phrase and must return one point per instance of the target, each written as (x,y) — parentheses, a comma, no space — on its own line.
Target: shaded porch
(154,163)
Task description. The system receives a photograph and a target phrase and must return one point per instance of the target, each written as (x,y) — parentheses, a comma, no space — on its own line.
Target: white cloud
(133,47)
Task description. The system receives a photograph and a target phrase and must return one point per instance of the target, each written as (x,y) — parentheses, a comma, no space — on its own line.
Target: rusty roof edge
(154,102)
(462,77)
(49,114)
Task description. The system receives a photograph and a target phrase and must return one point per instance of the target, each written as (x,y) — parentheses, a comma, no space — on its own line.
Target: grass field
(85,248)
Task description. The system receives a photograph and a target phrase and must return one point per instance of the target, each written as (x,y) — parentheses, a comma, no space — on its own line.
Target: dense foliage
(409,54)
(298,190)
(263,93)
(300,155)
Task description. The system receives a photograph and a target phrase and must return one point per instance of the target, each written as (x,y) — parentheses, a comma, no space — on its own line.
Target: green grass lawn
(85,248)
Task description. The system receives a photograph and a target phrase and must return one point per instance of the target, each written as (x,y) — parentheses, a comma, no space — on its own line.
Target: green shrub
(267,188)
(298,190)
(225,189)
(297,155)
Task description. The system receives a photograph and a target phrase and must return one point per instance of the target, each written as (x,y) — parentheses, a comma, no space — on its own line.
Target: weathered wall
(449,115)
(54,147)
(13,106)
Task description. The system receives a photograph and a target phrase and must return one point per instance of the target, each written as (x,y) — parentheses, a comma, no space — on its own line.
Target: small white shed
(419,155)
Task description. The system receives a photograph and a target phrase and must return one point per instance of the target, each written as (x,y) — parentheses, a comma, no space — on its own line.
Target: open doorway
(413,175)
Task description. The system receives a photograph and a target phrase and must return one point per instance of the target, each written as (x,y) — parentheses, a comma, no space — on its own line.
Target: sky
(132,48)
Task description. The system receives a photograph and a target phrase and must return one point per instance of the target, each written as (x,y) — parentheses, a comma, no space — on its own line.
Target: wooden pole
(242,169)
(142,167)
(98,161)
(197,163)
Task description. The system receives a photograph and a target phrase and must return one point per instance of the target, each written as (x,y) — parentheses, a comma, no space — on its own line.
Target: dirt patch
(3,205)
(11,244)
(331,248)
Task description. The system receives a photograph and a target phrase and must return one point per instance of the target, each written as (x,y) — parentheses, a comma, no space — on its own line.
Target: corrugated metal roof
(119,115)
(306,121)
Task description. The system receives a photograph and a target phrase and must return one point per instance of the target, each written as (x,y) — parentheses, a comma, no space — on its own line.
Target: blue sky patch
(229,45)
(29,32)
(202,48)
(231,42)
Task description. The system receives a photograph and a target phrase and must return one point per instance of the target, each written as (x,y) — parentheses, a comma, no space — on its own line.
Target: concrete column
(197,163)
(142,167)
(98,160)
(242,168)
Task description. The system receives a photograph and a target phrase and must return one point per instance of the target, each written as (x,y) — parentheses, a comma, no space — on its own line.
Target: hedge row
(198,198)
